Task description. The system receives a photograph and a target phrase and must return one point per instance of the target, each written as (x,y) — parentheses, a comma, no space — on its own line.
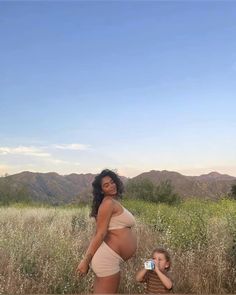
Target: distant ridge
(53,188)
(212,185)
(57,189)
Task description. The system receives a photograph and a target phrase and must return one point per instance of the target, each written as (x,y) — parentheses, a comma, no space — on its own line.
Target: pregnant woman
(114,240)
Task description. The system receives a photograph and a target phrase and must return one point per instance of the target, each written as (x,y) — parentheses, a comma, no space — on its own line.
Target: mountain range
(58,189)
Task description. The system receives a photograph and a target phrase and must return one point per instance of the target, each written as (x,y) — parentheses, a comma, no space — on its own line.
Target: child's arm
(140,275)
(164,279)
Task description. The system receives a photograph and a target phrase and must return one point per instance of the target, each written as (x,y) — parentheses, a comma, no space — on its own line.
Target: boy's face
(160,261)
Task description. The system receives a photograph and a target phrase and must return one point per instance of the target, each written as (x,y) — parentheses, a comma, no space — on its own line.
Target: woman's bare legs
(107,285)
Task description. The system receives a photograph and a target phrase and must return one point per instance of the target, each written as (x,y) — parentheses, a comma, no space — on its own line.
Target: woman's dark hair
(97,189)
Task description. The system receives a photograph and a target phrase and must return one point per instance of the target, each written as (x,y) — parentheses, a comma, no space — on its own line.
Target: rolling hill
(212,186)
(55,189)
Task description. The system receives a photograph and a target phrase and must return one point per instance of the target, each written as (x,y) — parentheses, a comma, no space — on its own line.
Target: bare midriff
(123,241)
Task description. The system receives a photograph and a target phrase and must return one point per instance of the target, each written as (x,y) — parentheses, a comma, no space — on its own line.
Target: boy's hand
(157,266)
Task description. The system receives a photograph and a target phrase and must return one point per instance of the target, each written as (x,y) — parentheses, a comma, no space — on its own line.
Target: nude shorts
(105,261)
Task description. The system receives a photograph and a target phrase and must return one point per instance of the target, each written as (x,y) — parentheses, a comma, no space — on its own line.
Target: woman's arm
(103,218)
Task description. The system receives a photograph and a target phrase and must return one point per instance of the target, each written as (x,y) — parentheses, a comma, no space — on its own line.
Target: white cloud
(24,150)
(72,146)
(4,169)
(38,159)
(58,161)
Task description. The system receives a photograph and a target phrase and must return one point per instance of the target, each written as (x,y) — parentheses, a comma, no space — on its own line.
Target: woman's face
(108,186)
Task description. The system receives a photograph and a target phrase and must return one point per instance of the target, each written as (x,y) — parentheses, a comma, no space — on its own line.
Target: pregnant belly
(122,241)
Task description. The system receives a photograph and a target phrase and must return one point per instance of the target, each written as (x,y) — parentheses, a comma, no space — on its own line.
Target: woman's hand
(83,267)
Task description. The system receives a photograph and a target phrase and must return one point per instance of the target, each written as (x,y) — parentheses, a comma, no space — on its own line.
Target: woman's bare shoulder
(107,203)
(106,208)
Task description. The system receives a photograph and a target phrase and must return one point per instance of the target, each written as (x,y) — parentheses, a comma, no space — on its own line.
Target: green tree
(165,193)
(144,189)
(11,192)
(233,192)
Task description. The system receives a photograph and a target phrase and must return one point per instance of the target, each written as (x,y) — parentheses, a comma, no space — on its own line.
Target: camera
(149,264)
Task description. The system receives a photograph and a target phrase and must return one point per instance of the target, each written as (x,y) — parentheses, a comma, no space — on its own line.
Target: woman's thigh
(107,285)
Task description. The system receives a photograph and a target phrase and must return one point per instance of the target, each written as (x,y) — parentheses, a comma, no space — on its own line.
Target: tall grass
(40,247)
(200,235)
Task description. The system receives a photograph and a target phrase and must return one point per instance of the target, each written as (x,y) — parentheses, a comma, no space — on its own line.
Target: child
(158,280)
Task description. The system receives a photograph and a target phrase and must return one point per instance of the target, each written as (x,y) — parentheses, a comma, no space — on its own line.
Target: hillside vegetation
(40,247)
(55,189)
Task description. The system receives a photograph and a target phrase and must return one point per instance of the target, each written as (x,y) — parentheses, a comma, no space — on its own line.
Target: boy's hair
(166,254)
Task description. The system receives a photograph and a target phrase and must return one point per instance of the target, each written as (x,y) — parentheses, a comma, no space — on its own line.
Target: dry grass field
(40,247)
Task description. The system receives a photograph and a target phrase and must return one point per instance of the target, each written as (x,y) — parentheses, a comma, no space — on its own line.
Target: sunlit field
(40,247)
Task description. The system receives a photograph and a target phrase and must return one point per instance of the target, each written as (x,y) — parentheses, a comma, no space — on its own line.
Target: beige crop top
(125,219)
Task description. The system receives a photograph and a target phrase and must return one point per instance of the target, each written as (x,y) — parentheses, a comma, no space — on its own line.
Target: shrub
(145,190)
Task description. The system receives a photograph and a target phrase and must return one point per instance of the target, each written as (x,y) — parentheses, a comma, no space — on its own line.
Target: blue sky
(127,85)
